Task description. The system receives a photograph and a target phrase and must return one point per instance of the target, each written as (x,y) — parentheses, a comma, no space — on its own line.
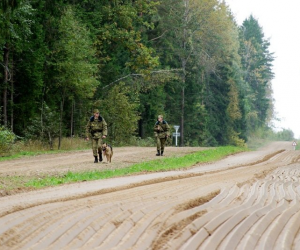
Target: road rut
(244,201)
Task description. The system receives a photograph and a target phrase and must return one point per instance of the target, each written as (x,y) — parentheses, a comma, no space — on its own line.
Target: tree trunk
(42,113)
(141,130)
(182,118)
(184,60)
(60,124)
(12,98)
(202,89)
(72,119)
(42,109)
(5,82)
(50,141)
(182,102)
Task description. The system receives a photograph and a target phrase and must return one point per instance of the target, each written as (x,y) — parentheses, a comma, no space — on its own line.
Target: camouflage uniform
(161,132)
(96,128)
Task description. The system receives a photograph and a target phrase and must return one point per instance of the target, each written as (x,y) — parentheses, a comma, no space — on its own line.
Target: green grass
(32,153)
(26,153)
(33,148)
(11,182)
(161,164)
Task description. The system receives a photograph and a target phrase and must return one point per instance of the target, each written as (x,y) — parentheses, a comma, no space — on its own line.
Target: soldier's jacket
(161,129)
(96,128)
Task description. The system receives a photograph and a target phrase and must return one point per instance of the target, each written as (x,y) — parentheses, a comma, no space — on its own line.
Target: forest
(187,60)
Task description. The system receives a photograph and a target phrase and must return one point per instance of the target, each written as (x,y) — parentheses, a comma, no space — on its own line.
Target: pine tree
(257,65)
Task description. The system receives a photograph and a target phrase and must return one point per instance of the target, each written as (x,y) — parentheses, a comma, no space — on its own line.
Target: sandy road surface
(83,160)
(246,201)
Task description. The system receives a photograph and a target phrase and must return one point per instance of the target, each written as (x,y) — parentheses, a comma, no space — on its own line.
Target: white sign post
(176,134)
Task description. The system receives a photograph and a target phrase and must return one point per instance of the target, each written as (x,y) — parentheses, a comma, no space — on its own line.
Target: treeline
(133,59)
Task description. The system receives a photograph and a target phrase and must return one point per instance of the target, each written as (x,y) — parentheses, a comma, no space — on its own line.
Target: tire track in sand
(266,219)
(170,214)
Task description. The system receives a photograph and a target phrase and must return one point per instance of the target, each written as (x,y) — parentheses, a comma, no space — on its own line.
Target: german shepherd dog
(107,151)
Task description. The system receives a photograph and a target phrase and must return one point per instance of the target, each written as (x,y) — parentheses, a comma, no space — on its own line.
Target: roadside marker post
(176,134)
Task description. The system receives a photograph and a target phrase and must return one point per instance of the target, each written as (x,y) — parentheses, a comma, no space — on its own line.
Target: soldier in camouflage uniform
(161,132)
(97,129)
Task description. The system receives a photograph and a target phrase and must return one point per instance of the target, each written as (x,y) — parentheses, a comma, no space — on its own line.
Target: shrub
(7,139)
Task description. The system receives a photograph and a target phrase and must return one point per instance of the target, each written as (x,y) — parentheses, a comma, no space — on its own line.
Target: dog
(107,151)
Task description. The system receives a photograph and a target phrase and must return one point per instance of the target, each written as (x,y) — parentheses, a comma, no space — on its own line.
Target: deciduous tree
(74,61)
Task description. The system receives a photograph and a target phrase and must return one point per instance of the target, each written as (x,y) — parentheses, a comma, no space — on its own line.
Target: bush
(7,139)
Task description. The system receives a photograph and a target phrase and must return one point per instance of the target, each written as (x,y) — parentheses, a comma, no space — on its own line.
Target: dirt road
(246,201)
(84,160)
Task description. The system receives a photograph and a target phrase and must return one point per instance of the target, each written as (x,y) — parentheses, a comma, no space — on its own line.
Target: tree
(9,4)
(45,127)
(73,60)
(185,59)
(30,66)
(257,66)
(121,46)
(201,39)
(120,110)
(177,24)
(285,135)
(15,27)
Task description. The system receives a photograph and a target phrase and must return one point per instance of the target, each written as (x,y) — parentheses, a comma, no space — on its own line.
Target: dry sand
(245,201)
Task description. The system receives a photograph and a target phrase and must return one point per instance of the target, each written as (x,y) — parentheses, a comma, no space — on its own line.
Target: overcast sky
(280,22)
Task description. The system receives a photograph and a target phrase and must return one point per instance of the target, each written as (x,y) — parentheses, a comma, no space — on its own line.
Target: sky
(280,23)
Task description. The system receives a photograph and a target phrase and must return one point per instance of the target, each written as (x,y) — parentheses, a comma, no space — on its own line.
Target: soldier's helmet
(96,111)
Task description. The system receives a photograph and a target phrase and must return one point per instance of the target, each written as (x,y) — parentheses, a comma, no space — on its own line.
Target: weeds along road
(246,201)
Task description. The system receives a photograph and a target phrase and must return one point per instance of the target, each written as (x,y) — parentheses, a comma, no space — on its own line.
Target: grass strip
(27,153)
(36,153)
(161,164)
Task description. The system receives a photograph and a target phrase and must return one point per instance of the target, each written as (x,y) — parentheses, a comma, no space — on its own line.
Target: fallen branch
(152,72)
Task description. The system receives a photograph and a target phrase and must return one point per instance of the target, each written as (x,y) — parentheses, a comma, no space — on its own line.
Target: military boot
(96,159)
(158,153)
(162,153)
(100,156)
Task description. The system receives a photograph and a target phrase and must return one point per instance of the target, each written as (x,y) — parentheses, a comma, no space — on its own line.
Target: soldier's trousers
(160,143)
(96,145)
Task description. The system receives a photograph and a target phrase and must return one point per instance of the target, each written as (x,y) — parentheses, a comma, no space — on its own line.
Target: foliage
(73,58)
(257,66)
(185,59)
(45,127)
(7,139)
(120,43)
(15,22)
(119,109)
(264,135)
(285,135)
